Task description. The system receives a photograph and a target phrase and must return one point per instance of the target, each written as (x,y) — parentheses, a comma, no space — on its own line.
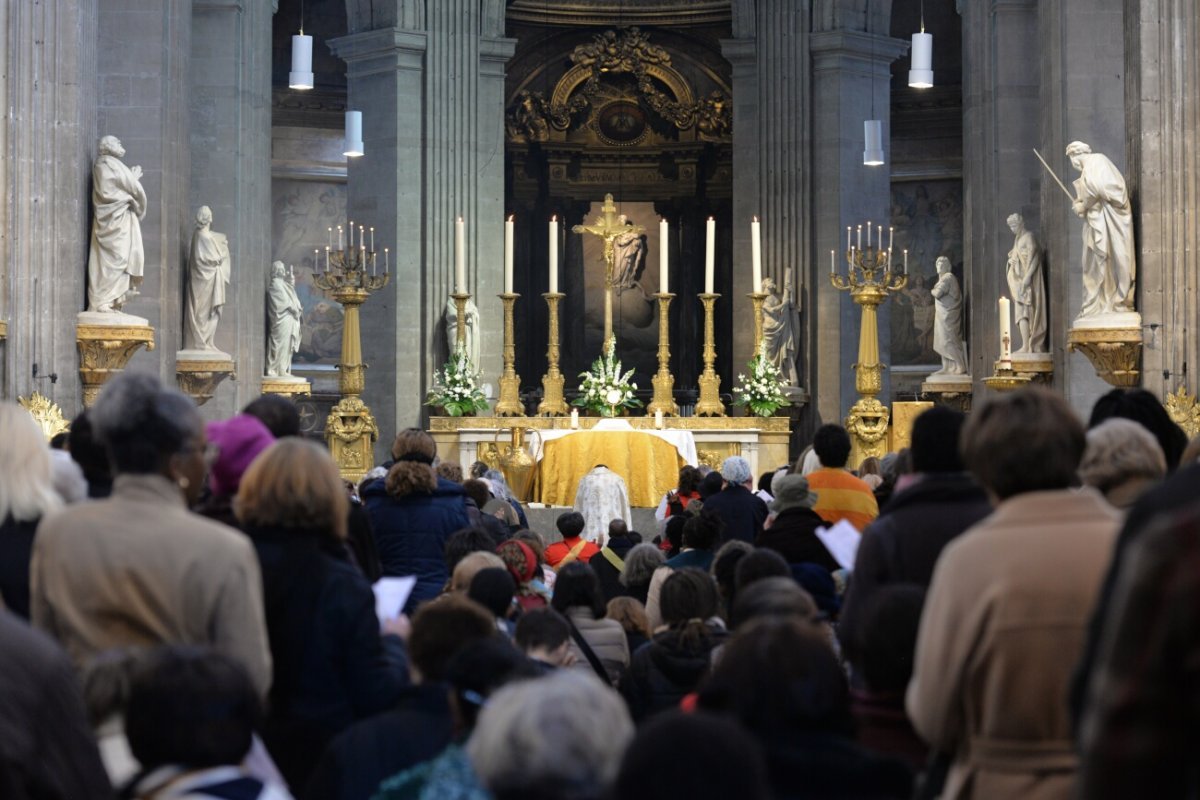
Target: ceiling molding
(676,13)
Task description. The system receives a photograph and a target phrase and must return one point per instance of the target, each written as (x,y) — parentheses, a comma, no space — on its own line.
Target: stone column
(143,72)
(1162,58)
(1082,98)
(772,149)
(851,81)
(47,142)
(1000,173)
(231,173)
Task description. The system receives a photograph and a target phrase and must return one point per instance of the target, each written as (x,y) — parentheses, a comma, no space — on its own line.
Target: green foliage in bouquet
(762,393)
(604,388)
(456,387)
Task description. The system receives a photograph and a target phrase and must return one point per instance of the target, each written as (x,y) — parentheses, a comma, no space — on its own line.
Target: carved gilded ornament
(1184,411)
(104,350)
(46,414)
(350,432)
(1115,353)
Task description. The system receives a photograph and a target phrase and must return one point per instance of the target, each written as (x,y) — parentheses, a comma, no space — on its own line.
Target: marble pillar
(1000,173)
(1163,116)
(48,140)
(772,142)
(851,80)
(230,139)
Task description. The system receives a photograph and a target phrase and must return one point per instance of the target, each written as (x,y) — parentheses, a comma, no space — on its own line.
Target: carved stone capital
(1115,353)
(104,350)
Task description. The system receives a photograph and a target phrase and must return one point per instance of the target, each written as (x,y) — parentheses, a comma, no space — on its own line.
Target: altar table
(649,464)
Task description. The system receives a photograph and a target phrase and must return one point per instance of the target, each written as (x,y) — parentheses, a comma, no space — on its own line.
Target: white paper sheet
(841,540)
(391,594)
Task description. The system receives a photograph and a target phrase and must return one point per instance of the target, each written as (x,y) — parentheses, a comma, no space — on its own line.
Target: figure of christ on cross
(609,225)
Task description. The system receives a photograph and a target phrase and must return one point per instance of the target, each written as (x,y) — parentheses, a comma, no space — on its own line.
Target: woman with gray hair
(533,740)
(138,569)
(640,564)
(1122,460)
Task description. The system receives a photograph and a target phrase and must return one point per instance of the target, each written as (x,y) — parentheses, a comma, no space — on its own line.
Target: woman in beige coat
(579,598)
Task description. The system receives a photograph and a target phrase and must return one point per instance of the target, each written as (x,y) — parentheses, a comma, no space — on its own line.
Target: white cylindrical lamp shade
(354,143)
(301,76)
(920,76)
(873,134)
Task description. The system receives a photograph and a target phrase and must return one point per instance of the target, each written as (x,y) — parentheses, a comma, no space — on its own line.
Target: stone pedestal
(288,386)
(1038,367)
(200,372)
(1115,353)
(106,343)
(949,390)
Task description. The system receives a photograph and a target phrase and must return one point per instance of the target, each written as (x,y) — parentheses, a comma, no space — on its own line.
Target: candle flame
(511,217)
(554,217)
(711,219)
(754,219)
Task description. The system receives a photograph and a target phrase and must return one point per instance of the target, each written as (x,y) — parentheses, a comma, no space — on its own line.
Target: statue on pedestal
(208,276)
(948,339)
(472,332)
(1109,263)
(283,317)
(1028,287)
(116,260)
(781,328)
(629,256)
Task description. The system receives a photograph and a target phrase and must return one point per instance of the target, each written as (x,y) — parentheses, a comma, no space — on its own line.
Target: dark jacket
(609,575)
(793,536)
(662,672)
(47,750)
(356,762)
(332,666)
(699,559)
(741,510)
(817,765)
(411,532)
(16,548)
(903,544)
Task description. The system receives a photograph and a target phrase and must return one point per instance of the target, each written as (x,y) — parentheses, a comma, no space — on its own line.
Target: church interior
(744,144)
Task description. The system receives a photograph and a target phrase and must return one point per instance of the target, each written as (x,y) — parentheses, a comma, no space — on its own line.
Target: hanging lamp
(301,76)
(872,128)
(920,76)
(354,143)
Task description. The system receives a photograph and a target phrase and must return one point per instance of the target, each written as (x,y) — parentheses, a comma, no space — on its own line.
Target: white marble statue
(948,339)
(283,317)
(781,328)
(116,260)
(629,257)
(472,338)
(208,279)
(1028,287)
(1109,263)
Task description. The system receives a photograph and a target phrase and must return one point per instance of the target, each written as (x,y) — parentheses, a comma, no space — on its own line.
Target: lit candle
(327,259)
(351,234)
(868,234)
(658,418)
(508,255)
(710,255)
(664,244)
(847,237)
(756,254)
(554,254)
(860,237)
(385,261)
(316,261)
(574,419)
(905,262)
(891,237)
(362,240)
(330,244)
(1005,332)
(832,263)
(372,240)
(460,256)
(340,239)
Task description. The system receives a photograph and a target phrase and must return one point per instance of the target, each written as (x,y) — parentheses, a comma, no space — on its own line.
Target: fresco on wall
(302,213)
(927,216)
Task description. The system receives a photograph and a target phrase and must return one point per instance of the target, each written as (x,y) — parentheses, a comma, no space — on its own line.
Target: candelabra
(509,403)
(869,280)
(664,381)
(350,428)
(757,299)
(710,404)
(553,404)
(1005,379)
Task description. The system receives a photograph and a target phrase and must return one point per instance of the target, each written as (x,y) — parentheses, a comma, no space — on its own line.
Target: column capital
(382,50)
(841,50)
(494,53)
(740,51)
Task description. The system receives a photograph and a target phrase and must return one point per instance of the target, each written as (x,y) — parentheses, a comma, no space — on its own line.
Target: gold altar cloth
(649,465)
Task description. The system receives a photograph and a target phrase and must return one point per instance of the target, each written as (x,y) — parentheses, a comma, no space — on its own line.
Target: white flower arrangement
(456,387)
(604,388)
(763,392)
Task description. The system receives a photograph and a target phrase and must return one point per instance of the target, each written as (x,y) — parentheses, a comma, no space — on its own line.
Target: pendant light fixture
(354,143)
(301,76)
(872,128)
(920,76)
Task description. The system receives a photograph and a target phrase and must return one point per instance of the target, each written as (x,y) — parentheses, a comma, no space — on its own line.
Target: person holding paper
(792,532)
(840,495)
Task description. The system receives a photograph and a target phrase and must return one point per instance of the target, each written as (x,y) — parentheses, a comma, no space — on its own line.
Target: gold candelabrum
(509,403)
(869,280)
(553,403)
(757,299)
(350,276)
(710,404)
(663,380)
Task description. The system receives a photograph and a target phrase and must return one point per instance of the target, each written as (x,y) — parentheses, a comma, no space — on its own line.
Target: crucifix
(608,227)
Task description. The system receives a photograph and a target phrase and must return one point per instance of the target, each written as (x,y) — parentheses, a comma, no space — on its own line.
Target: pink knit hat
(239,440)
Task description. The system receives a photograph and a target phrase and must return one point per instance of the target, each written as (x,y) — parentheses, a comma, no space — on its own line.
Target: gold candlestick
(1005,380)
(509,404)
(664,381)
(553,404)
(710,404)
(757,299)
(460,316)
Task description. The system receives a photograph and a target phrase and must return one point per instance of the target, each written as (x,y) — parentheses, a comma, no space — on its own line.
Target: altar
(647,458)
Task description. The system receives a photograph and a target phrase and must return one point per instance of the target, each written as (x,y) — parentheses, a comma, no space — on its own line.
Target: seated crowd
(189,613)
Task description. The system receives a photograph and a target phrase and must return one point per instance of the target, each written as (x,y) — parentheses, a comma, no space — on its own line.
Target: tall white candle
(832,263)
(847,237)
(664,256)
(860,237)
(891,237)
(385,261)
(905,262)
(1005,332)
(554,254)
(341,244)
(868,234)
(756,254)
(710,255)
(330,242)
(351,234)
(372,240)
(508,255)
(460,256)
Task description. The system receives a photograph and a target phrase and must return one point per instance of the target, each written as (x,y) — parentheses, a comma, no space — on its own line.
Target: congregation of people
(189,613)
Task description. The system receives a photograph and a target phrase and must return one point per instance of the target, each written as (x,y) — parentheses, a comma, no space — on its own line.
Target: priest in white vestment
(601,498)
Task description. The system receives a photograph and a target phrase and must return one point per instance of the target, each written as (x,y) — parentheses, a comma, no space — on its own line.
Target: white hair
(736,470)
(1119,450)
(26,483)
(564,735)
